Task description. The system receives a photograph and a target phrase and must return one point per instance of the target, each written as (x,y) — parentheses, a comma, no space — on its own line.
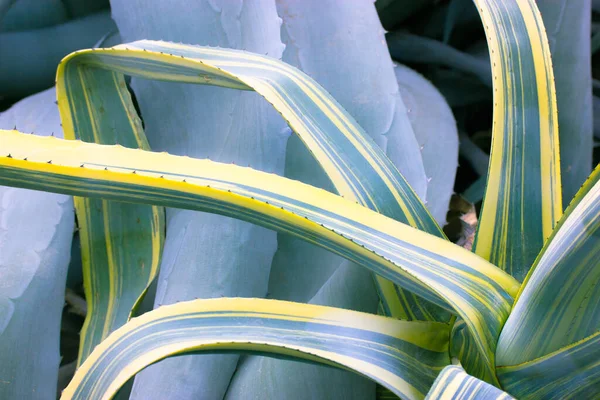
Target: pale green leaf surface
(435,129)
(356,166)
(121,243)
(343,64)
(401,355)
(464,348)
(558,304)
(572,372)
(522,201)
(453,383)
(431,267)
(4,7)
(36,229)
(350,287)
(207,255)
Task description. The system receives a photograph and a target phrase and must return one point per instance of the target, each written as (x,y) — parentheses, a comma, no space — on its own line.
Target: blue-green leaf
(36,229)
(558,303)
(404,356)
(453,383)
(207,255)
(435,129)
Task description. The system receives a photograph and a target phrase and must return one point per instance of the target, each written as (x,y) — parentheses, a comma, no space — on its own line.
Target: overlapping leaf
(435,269)
(454,383)
(120,242)
(558,304)
(403,356)
(357,167)
(523,197)
(572,372)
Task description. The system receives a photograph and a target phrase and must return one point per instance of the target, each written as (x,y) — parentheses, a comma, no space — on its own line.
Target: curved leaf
(433,268)
(356,166)
(121,243)
(341,64)
(573,372)
(206,255)
(454,383)
(36,229)
(558,304)
(522,201)
(403,356)
(350,287)
(464,348)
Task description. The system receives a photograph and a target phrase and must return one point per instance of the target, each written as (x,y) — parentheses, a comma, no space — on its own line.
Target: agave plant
(514,317)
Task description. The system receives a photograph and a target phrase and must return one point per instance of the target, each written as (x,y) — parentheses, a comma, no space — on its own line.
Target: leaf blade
(357,167)
(454,383)
(121,243)
(365,343)
(558,302)
(433,268)
(522,201)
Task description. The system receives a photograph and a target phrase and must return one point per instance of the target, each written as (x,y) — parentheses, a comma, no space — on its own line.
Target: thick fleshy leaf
(342,64)
(464,348)
(571,372)
(435,129)
(433,268)
(454,383)
(401,355)
(407,47)
(357,167)
(522,202)
(568,29)
(121,243)
(558,304)
(36,229)
(207,255)
(22,74)
(350,287)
